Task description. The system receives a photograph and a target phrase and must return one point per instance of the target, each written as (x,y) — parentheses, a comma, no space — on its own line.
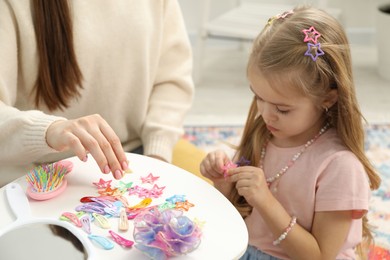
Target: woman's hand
(250,183)
(89,134)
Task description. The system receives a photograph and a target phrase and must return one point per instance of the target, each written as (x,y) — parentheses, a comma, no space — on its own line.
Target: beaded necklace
(282,171)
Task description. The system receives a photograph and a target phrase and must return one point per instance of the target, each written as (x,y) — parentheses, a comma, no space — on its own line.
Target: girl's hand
(212,165)
(89,134)
(250,183)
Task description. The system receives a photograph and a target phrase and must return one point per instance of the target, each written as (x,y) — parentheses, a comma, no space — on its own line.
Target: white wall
(358,15)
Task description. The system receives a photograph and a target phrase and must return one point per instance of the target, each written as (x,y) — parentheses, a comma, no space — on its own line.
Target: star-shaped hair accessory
(314,48)
(243,162)
(285,14)
(109,192)
(156,191)
(102,184)
(228,166)
(166,205)
(149,179)
(122,186)
(184,205)
(199,222)
(176,198)
(311,34)
(136,190)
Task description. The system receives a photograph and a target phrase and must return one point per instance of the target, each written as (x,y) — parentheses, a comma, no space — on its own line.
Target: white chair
(241,23)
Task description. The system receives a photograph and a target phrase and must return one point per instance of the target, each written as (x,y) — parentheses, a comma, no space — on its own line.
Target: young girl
(303,184)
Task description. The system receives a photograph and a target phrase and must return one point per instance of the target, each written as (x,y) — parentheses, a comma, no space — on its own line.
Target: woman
(91,77)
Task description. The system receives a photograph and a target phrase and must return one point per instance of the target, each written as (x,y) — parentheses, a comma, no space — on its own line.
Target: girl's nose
(268,113)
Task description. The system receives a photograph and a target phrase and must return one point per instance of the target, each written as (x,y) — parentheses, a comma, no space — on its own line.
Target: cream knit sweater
(136,62)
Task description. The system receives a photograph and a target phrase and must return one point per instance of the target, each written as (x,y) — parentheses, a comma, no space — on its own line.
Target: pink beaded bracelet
(286,231)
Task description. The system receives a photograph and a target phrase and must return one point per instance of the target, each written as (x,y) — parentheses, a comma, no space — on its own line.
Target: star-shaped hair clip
(314,50)
(243,162)
(311,34)
(149,179)
(225,168)
(102,184)
(184,205)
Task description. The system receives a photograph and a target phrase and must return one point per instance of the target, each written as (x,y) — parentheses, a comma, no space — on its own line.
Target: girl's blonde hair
(279,50)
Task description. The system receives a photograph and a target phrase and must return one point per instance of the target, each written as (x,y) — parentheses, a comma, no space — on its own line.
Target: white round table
(224,232)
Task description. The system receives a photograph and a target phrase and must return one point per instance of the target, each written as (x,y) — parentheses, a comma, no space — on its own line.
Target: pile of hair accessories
(160,230)
(162,234)
(48,180)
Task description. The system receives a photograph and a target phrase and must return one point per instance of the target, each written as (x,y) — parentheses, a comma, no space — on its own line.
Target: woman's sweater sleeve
(173,88)
(22,133)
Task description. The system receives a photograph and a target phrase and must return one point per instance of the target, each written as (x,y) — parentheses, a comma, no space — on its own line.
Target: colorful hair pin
(149,179)
(101,241)
(279,16)
(176,198)
(123,221)
(86,223)
(47,181)
(311,34)
(284,14)
(71,217)
(313,49)
(243,162)
(120,240)
(227,167)
(101,221)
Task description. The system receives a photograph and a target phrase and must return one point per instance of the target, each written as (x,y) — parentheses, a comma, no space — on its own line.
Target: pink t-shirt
(327,177)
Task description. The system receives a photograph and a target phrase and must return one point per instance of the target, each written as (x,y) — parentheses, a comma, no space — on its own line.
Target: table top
(224,234)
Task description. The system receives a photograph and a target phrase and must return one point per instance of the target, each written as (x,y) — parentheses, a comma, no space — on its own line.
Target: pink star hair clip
(313,49)
(311,34)
(149,179)
(227,167)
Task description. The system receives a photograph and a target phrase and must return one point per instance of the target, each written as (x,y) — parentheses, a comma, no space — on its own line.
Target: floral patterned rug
(377,147)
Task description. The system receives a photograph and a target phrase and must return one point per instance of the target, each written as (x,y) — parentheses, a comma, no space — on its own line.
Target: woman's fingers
(90,134)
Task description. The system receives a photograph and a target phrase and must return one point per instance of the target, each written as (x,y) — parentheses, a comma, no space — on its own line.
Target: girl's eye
(283,112)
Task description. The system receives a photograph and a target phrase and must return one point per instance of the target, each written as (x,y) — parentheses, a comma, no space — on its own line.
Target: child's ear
(331,98)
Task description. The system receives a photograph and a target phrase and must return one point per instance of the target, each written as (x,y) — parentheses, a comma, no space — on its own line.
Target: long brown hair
(278,50)
(59,76)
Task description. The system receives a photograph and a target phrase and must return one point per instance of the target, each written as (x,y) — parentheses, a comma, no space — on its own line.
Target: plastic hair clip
(72,218)
(311,34)
(101,241)
(227,167)
(120,240)
(314,48)
(101,221)
(86,223)
(123,221)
